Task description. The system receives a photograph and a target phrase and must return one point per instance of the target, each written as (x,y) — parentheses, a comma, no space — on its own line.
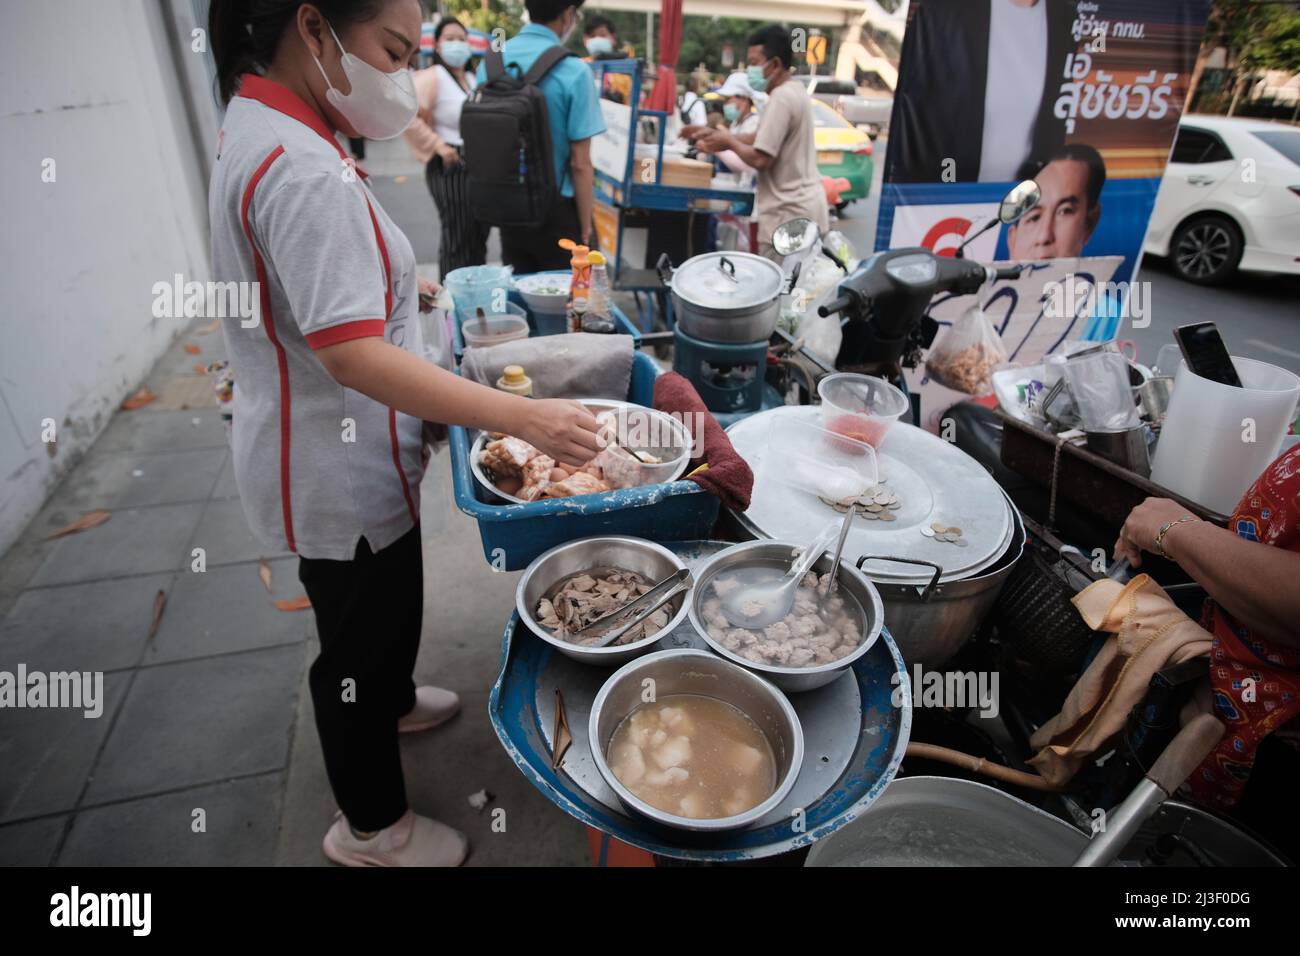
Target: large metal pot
(931,622)
(725,297)
(941,821)
(776,554)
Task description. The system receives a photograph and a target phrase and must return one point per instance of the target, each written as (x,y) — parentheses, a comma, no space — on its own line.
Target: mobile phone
(1205,353)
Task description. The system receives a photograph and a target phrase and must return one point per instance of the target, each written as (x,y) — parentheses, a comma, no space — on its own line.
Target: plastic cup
(478,287)
(860,407)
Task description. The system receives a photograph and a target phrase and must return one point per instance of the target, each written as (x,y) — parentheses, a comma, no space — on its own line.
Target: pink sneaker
(433,706)
(411,841)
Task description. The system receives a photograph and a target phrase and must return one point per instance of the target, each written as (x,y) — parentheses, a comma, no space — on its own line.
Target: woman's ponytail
(231,42)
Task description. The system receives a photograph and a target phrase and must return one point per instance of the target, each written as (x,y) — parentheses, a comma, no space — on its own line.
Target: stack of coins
(951,534)
(877,503)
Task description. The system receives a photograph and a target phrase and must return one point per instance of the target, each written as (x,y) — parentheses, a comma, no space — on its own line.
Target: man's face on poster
(1063,220)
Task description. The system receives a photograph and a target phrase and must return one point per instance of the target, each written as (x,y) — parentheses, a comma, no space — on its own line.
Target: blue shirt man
(570,95)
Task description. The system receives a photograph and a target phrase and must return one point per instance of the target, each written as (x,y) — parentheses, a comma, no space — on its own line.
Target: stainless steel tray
(854,742)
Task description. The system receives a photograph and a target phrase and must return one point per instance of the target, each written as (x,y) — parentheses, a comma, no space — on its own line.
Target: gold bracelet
(1164,530)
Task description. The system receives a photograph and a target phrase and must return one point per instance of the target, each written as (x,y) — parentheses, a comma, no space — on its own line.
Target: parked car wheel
(1206,250)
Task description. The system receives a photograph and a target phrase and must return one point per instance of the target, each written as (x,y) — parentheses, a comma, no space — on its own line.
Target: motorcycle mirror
(1023,197)
(795,236)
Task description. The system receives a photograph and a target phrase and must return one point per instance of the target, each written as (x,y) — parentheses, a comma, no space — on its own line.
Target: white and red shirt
(319,466)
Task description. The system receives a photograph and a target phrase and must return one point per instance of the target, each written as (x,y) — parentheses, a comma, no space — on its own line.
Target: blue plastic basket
(514,534)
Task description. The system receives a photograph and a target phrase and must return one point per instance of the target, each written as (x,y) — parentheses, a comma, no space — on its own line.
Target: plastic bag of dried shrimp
(964,355)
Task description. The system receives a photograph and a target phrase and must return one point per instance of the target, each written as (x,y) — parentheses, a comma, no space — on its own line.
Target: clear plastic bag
(965,354)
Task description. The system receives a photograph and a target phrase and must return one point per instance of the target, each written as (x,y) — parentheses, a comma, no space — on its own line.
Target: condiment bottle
(598,318)
(579,284)
(514,381)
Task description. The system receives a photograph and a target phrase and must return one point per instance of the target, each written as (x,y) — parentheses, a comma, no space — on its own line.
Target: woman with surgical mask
(333,383)
(434,138)
(742,117)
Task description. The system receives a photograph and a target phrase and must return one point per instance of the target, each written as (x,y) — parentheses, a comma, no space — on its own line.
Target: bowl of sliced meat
(643,447)
(579,582)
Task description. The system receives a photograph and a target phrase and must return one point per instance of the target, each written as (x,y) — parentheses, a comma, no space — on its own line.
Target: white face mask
(381,105)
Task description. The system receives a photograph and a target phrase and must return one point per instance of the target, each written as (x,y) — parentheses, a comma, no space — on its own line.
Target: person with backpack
(333,386)
(535,94)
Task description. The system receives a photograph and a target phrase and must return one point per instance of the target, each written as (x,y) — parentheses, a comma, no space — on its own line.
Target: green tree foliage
(485,15)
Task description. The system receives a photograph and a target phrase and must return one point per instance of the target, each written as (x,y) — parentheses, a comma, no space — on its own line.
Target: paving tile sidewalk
(212,712)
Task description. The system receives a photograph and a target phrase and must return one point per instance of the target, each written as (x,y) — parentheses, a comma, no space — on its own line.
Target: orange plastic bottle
(579,284)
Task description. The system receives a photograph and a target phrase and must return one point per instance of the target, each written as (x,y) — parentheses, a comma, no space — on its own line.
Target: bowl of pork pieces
(642,446)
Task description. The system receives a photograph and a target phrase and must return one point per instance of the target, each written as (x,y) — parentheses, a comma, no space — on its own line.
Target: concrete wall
(97,86)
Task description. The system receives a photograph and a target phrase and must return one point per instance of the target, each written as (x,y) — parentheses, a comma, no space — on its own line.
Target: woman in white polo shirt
(332,386)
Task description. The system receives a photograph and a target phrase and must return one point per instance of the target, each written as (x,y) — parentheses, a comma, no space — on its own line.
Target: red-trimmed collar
(284,100)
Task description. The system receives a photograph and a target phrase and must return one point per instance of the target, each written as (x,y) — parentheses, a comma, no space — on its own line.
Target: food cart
(646,191)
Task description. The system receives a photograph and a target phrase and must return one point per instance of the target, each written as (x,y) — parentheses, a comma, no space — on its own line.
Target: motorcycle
(884,301)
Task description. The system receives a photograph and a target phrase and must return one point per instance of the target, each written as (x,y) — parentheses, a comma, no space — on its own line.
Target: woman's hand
(428,292)
(561,428)
(449,155)
(1143,524)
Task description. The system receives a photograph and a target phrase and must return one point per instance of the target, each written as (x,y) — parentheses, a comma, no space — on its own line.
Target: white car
(1230,199)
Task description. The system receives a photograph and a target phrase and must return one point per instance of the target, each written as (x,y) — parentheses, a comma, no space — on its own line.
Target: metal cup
(1127,448)
(1153,397)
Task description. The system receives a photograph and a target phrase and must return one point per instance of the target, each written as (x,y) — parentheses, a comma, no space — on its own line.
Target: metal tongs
(636,612)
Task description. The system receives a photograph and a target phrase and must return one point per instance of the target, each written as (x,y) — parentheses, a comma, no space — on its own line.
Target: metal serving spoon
(760,605)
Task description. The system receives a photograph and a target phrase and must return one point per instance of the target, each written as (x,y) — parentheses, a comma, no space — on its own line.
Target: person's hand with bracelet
(1151,526)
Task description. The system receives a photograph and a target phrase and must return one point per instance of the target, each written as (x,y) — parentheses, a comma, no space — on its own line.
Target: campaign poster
(1082,96)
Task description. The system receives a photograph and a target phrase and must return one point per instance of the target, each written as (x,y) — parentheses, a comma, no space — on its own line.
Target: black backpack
(507,133)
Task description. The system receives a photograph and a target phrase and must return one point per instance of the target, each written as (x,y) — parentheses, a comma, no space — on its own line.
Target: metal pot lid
(728,280)
(932,483)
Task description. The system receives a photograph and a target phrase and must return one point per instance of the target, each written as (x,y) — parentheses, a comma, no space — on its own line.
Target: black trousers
(463,239)
(368,613)
(538,250)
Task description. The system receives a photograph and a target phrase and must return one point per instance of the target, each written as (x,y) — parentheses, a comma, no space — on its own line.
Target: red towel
(728,476)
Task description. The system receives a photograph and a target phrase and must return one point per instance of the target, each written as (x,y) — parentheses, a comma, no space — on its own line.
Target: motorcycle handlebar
(835,305)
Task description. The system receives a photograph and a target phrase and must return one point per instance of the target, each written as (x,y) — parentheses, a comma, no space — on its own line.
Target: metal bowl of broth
(672,677)
(766,554)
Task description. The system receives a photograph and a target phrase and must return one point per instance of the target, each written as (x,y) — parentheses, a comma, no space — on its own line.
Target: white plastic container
(499,328)
(1204,452)
(806,457)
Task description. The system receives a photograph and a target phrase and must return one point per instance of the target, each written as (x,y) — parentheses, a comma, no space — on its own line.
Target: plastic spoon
(759,605)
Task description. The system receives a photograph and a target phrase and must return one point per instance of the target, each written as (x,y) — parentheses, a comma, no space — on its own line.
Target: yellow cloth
(1150,632)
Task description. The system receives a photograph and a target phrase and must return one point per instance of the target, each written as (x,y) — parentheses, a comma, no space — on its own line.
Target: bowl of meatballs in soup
(825,632)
